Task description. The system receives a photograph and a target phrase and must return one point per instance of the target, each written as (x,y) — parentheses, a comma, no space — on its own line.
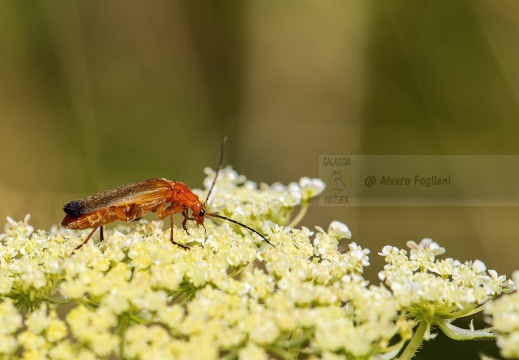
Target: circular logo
(339,180)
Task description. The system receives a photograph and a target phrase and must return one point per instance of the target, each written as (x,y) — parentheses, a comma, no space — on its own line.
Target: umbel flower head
(230,295)
(249,203)
(503,315)
(436,292)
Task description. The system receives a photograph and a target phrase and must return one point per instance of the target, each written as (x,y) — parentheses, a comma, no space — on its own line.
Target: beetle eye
(202,212)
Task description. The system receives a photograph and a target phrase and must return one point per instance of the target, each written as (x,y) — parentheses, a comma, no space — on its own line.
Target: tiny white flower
(339,230)
(311,187)
(479,266)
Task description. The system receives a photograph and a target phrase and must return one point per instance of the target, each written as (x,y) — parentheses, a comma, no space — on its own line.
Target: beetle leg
(132,212)
(162,213)
(171,235)
(185,220)
(119,212)
(99,225)
(88,237)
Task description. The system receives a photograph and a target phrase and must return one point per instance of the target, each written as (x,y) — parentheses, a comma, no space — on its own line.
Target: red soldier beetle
(130,202)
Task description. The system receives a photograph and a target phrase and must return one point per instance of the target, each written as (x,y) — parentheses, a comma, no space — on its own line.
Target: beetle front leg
(186,217)
(171,235)
(162,213)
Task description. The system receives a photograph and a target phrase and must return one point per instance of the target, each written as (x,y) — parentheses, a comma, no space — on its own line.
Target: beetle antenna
(217,171)
(239,223)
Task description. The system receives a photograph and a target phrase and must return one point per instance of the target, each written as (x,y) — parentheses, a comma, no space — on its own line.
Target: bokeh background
(98,94)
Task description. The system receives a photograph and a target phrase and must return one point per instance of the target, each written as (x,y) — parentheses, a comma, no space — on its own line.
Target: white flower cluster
(450,288)
(247,202)
(138,296)
(503,315)
(436,292)
(230,295)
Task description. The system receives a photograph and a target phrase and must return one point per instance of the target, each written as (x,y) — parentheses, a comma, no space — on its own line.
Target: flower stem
(300,215)
(415,341)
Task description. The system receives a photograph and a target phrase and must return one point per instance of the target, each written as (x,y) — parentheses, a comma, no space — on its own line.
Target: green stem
(281,353)
(295,341)
(59,300)
(189,295)
(415,341)
(176,295)
(300,215)
(237,271)
(120,330)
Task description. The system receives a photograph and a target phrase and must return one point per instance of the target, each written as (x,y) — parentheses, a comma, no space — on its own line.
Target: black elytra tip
(74,209)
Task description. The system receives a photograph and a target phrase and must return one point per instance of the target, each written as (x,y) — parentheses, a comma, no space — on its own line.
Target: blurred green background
(99,94)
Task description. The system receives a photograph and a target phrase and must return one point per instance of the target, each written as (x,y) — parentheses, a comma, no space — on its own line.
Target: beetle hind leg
(89,236)
(99,225)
